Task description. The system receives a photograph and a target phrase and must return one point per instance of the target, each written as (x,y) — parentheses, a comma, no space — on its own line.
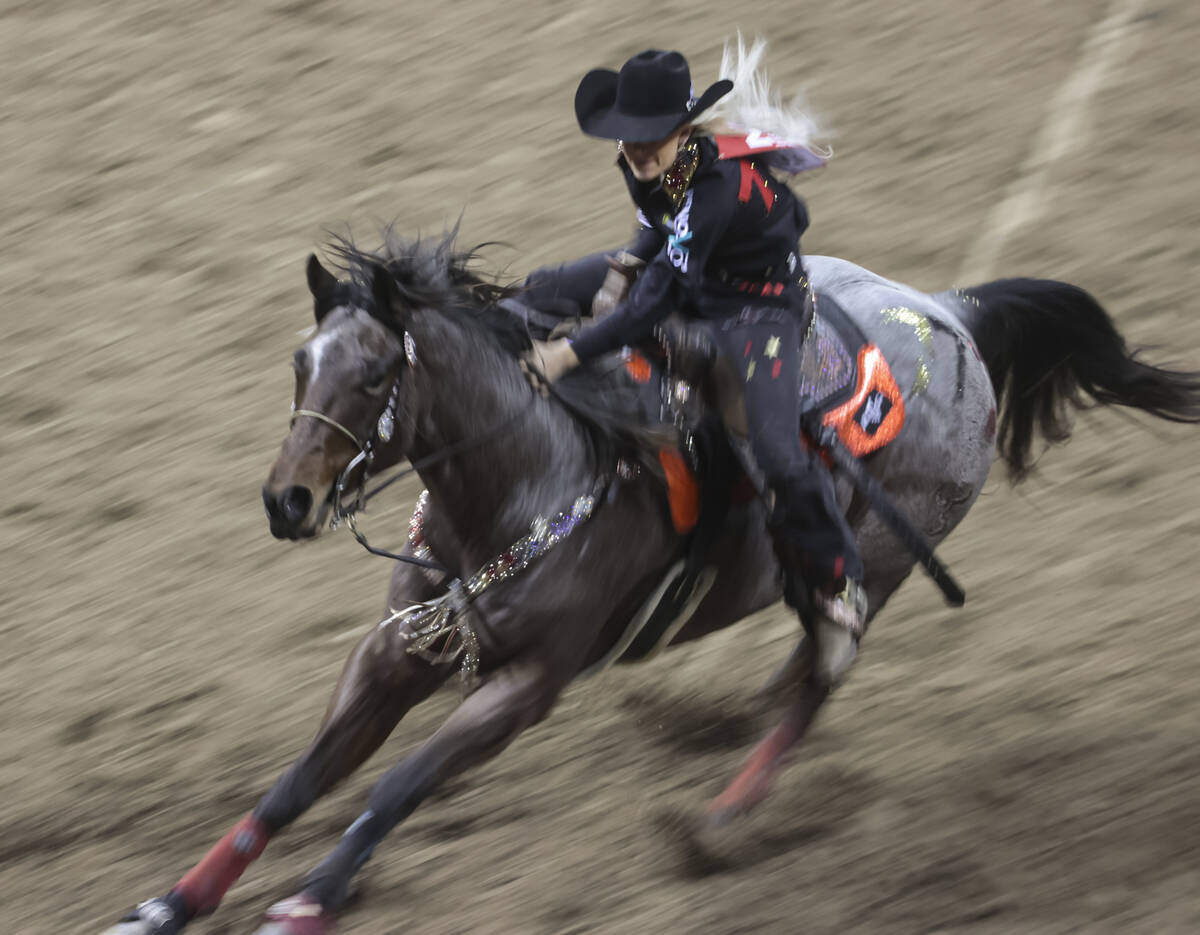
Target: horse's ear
(383,291)
(321,283)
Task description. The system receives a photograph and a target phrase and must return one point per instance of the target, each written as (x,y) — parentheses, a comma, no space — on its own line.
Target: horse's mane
(435,274)
(430,274)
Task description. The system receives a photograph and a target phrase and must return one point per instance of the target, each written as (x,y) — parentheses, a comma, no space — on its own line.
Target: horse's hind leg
(754,781)
(807,679)
(512,699)
(378,685)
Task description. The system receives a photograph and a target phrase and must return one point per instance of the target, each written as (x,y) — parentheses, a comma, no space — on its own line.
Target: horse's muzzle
(288,511)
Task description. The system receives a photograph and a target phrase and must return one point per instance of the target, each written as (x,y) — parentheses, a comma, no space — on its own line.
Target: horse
(546,528)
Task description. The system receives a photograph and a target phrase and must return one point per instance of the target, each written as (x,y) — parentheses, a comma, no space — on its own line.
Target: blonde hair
(754,105)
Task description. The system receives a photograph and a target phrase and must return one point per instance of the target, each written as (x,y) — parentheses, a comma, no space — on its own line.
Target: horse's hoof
(153,917)
(296,915)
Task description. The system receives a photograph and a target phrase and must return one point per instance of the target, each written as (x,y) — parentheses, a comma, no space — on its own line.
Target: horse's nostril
(289,506)
(294,503)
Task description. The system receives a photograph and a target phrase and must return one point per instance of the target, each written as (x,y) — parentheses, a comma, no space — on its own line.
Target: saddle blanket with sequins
(849,381)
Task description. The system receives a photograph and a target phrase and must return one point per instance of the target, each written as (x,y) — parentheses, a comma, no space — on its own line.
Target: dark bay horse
(552,548)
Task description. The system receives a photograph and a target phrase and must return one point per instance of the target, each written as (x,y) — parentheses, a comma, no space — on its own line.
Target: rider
(720,240)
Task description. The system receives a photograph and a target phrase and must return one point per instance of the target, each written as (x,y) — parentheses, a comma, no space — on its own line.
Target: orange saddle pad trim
(874,415)
(683,490)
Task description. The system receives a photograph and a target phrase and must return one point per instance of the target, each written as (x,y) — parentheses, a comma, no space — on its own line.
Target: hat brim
(597,113)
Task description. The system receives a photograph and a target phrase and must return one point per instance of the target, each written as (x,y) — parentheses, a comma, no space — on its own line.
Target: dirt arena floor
(1026,765)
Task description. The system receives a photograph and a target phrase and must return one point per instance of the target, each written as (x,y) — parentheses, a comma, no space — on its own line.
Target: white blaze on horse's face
(350,352)
(318,348)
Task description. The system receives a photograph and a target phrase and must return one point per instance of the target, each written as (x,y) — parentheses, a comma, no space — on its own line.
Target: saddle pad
(849,380)
(827,365)
(874,414)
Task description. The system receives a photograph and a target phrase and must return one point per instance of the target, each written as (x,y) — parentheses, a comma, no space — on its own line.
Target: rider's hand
(623,269)
(546,361)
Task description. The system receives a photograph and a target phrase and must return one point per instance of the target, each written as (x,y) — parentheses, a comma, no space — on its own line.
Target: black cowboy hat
(650,97)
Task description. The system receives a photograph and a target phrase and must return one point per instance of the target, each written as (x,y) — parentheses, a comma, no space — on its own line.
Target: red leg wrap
(204,886)
(754,781)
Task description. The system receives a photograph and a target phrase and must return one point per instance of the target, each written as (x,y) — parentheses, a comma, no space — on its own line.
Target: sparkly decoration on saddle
(826,366)
(410,349)
(772,348)
(677,178)
(440,630)
(923,330)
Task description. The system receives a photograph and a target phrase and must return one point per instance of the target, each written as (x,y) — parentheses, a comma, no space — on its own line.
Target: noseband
(384,427)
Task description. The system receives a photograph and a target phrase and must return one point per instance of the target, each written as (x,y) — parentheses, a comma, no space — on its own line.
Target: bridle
(385,427)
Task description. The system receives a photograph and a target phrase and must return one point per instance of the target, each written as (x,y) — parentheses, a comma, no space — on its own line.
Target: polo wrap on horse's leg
(203,887)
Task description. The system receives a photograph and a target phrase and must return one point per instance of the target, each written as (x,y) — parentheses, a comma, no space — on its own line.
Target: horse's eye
(376,383)
(300,359)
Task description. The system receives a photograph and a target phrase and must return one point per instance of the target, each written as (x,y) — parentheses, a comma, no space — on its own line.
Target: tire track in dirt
(1064,131)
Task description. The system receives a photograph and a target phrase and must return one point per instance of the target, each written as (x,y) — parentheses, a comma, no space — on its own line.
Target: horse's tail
(1049,346)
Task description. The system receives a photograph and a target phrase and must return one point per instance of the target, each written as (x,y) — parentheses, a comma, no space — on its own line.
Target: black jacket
(717,236)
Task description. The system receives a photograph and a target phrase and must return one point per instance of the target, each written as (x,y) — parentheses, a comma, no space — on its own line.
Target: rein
(443,454)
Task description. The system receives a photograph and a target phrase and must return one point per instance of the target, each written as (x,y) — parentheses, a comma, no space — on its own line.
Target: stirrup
(847,608)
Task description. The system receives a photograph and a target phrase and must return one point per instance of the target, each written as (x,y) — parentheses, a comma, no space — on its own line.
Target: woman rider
(720,240)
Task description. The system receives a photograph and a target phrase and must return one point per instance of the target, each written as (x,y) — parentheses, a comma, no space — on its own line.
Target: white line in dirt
(1064,130)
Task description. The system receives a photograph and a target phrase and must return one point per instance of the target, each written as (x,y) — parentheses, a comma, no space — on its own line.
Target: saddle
(846,386)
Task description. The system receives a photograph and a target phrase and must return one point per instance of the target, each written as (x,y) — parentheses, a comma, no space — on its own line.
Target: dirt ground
(1026,765)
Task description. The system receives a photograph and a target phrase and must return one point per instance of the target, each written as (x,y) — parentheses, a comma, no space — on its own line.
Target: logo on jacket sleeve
(681,235)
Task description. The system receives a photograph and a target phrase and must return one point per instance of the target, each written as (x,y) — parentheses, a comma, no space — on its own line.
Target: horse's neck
(528,454)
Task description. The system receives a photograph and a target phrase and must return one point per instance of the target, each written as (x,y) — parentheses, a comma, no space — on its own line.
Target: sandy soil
(1027,765)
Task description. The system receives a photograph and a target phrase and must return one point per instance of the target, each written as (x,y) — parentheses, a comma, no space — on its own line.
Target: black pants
(813,541)
(567,290)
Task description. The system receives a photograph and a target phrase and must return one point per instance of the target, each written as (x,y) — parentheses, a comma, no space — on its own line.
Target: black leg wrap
(394,798)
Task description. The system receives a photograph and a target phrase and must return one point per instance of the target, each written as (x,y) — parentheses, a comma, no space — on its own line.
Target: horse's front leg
(513,698)
(380,682)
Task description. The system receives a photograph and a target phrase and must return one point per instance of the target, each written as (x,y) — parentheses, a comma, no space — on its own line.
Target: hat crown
(653,83)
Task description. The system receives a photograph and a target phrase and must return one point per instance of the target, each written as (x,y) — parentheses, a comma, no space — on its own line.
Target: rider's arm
(567,289)
(647,242)
(675,273)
